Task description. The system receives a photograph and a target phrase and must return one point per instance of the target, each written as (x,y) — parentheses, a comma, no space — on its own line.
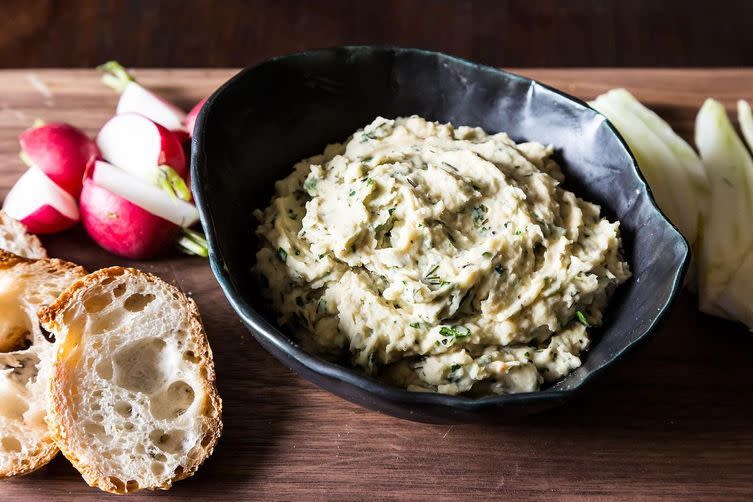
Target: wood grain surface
(169,33)
(672,420)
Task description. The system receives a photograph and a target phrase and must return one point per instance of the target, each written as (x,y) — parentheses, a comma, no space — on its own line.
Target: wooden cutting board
(674,419)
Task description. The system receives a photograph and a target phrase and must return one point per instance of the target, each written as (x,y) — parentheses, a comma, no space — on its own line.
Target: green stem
(193,243)
(165,186)
(115,76)
(171,182)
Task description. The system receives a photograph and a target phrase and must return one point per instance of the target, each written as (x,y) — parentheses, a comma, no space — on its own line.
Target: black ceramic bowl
(257,125)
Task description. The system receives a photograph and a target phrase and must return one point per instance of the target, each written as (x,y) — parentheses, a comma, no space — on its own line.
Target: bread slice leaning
(132,398)
(15,239)
(26,358)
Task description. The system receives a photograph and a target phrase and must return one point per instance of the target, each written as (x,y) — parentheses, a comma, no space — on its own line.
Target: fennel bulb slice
(728,233)
(669,179)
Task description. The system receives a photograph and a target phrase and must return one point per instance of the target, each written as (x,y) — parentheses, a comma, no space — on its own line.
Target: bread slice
(15,239)
(25,359)
(132,399)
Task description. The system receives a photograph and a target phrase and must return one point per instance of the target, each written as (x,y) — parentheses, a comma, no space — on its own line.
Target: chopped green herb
(282,254)
(454,331)
(486,254)
(454,368)
(479,215)
(352,193)
(310,185)
(321,306)
(390,211)
(433,279)
(415,325)
(582,318)
(518,232)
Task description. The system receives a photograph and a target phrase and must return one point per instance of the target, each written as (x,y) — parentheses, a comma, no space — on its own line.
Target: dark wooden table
(672,420)
(211,33)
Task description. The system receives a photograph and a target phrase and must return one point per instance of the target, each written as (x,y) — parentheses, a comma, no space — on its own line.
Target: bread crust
(47,449)
(32,246)
(60,415)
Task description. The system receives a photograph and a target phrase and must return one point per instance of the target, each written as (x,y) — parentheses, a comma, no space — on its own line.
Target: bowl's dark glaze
(257,125)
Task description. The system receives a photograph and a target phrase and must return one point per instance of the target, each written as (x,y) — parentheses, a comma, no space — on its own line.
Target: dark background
(231,33)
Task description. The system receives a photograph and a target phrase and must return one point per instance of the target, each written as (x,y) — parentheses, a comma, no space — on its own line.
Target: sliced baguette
(132,399)
(15,239)
(26,359)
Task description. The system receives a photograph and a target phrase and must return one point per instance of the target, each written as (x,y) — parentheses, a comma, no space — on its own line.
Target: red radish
(121,227)
(190,120)
(144,195)
(136,99)
(146,150)
(182,136)
(129,217)
(61,151)
(40,204)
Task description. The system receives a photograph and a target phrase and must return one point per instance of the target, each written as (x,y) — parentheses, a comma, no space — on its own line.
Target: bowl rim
(259,325)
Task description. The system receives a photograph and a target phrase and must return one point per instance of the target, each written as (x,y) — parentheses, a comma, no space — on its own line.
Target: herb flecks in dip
(438,258)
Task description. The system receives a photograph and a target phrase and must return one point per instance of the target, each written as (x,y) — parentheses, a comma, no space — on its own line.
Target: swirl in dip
(438,258)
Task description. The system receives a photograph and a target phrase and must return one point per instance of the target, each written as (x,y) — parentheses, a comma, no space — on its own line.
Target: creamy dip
(438,258)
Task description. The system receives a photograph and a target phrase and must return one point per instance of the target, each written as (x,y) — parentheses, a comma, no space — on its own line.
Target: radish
(190,120)
(137,99)
(37,202)
(144,195)
(61,151)
(183,137)
(146,150)
(129,217)
(122,227)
